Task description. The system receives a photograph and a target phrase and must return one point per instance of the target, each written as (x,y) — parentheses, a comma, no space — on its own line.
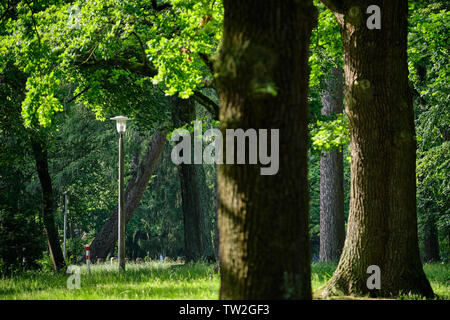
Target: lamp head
(121,123)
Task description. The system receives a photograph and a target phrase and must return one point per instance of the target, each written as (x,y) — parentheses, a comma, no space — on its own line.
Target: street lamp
(121,124)
(65,223)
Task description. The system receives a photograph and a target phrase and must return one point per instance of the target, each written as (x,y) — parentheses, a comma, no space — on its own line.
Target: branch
(161,7)
(144,56)
(134,67)
(164,7)
(145,22)
(149,71)
(334,5)
(79,94)
(34,23)
(206,61)
(90,55)
(209,104)
(210,83)
(10,7)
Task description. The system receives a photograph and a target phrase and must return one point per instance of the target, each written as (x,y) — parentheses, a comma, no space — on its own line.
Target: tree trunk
(431,241)
(194,194)
(262,75)
(106,239)
(382,224)
(332,218)
(40,157)
(216,224)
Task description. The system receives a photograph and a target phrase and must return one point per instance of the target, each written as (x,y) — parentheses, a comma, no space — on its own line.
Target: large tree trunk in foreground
(332,218)
(382,224)
(107,238)
(194,194)
(263,219)
(40,157)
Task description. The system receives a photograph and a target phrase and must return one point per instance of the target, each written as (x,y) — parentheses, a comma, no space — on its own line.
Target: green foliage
(332,134)
(326,132)
(40,100)
(21,237)
(179,42)
(75,247)
(108,49)
(206,123)
(429,67)
(21,241)
(326,46)
(45,264)
(83,163)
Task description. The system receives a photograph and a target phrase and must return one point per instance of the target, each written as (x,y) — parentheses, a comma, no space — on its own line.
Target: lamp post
(65,222)
(121,124)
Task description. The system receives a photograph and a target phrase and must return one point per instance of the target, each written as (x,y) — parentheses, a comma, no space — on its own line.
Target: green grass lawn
(439,276)
(156,280)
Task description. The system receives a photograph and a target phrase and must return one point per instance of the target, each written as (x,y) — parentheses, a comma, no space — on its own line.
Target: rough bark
(107,238)
(194,195)
(332,218)
(41,159)
(263,219)
(382,224)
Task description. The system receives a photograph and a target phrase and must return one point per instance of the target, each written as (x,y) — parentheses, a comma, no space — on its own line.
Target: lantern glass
(121,123)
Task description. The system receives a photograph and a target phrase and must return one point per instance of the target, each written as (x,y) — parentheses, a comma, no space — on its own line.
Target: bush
(45,263)
(75,247)
(21,242)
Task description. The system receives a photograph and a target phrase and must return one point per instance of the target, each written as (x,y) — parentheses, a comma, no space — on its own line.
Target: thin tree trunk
(332,218)
(216,224)
(40,157)
(382,224)
(431,241)
(262,76)
(107,238)
(197,225)
(194,194)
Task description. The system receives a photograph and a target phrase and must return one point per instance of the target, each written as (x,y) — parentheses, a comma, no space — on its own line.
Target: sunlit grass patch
(140,281)
(321,273)
(439,276)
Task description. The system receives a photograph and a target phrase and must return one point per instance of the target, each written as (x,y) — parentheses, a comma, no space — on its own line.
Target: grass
(155,280)
(439,276)
(437,273)
(152,280)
